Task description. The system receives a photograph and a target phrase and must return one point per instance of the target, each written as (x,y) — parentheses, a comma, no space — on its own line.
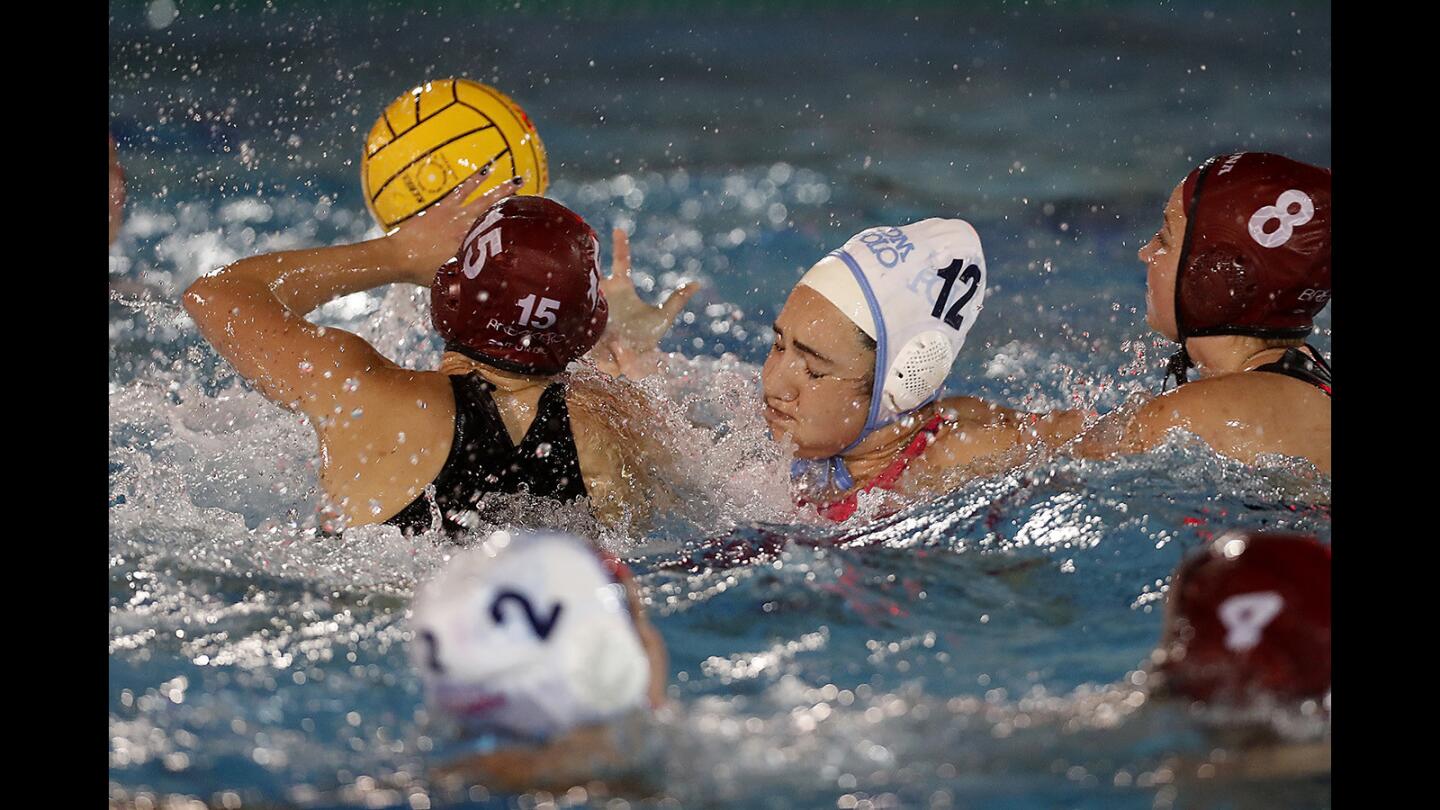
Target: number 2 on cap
(542,625)
(545,313)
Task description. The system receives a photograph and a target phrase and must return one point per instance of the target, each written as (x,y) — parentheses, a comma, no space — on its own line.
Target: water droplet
(351,385)
(543,450)
(357,413)
(375,507)
(306,367)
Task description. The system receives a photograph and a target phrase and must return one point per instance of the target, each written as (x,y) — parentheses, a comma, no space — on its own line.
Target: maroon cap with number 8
(1256,255)
(523,294)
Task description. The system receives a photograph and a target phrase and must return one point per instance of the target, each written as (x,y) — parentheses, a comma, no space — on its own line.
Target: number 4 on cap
(1246,616)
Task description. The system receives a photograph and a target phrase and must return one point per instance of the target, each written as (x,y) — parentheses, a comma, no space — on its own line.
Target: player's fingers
(498,193)
(620,261)
(466,187)
(679,299)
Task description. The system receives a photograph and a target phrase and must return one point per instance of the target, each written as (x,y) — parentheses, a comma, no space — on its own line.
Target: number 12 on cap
(971,275)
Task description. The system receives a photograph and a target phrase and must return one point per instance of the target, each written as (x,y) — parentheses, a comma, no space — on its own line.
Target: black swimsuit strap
(552,406)
(1308,368)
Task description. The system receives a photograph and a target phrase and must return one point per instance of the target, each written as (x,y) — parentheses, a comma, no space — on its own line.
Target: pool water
(982,649)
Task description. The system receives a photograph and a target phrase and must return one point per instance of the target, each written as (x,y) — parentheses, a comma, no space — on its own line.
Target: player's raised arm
(253,312)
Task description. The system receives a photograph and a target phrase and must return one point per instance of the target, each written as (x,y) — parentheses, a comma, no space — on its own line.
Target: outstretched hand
(635,325)
(612,356)
(433,236)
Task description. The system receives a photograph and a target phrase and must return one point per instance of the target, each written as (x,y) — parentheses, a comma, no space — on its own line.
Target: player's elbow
(209,301)
(196,299)
(212,291)
(200,299)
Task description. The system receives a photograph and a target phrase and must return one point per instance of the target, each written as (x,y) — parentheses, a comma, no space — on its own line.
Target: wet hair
(870,344)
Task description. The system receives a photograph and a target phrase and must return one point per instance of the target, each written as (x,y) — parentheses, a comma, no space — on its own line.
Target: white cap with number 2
(528,634)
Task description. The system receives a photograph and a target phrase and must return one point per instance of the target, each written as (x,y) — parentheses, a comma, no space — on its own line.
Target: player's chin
(806,446)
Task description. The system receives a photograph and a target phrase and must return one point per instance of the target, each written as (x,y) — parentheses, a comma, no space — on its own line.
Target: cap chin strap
(824,473)
(832,471)
(1178,367)
(1180,362)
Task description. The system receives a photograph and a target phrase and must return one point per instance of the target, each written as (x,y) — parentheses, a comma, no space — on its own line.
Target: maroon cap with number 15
(523,294)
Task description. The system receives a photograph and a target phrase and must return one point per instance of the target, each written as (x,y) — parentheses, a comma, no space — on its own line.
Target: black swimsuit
(1303,367)
(482,459)
(1294,363)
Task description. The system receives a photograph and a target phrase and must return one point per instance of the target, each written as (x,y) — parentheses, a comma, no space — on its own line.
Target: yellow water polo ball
(436,135)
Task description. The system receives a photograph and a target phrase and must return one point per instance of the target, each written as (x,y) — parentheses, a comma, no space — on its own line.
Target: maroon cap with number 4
(1249,614)
(523,294)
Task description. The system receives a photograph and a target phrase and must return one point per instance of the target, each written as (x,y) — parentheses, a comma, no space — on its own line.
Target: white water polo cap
(528,634)
(916,291)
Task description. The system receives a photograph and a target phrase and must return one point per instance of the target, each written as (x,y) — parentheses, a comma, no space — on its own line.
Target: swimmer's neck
(1227,354)
(879,449)
(455,364)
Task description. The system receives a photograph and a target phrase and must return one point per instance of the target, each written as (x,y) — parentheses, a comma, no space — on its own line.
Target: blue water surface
(982,650)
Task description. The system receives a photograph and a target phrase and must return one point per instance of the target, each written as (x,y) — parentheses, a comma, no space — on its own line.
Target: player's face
(817,377)
(1161,256)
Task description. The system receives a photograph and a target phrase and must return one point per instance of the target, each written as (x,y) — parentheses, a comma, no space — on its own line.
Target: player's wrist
(401,260)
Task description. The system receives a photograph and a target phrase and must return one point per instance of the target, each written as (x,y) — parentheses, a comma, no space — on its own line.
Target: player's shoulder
(963,410)
(1241,389)
(1248,397)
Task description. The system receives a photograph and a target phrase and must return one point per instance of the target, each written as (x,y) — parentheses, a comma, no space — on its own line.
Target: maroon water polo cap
(1249,614)
(523,294)
(1256,255)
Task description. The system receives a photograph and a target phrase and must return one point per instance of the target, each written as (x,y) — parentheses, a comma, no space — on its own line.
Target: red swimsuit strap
(887,478)
(845,507)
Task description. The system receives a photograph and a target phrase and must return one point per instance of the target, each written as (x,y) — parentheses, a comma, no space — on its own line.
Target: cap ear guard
(920,368)
(1223,281)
